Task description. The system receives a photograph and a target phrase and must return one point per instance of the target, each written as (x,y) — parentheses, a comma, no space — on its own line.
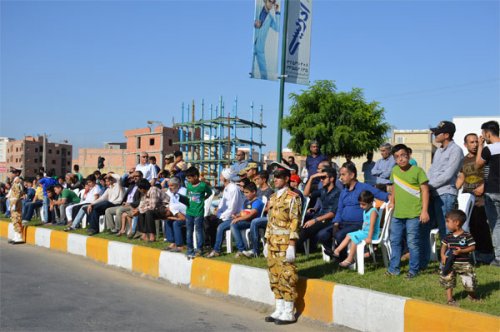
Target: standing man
(471,180)
(490,156)
(290,162)
(148,170)
(281,235)
(312,162)
(265,18)
(15,198)
(383,167)
(240,163)
(442,176)
(367,169)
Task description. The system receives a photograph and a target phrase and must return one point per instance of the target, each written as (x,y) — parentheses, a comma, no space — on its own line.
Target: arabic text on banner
(298,41)
(266,39)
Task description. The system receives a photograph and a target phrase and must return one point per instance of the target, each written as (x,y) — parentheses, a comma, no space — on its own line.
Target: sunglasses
(323,177)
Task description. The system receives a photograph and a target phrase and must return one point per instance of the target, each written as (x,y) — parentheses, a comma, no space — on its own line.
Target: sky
(86,71)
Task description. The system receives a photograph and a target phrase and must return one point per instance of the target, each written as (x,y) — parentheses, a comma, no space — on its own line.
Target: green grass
(424,287)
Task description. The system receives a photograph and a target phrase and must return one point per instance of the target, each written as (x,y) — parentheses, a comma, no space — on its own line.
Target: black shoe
(269,319)
(91,232)
(284,322)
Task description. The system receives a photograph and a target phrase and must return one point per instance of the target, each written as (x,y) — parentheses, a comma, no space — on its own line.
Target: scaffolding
(211,143)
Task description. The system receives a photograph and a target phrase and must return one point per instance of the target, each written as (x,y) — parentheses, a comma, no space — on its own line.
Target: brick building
(156,141)
(113,153)
(28,155)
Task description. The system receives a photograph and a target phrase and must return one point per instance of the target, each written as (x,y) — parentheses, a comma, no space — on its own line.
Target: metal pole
(260,147)
(202,146)
(251,134)
(235,145)
(282,84)
(210,145)
(181,129)
(44,155)
(193,128)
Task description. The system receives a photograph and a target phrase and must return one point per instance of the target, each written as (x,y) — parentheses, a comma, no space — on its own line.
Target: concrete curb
(320,300)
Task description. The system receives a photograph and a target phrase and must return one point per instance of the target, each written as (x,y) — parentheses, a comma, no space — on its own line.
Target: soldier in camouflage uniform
(281,234)
(15,198)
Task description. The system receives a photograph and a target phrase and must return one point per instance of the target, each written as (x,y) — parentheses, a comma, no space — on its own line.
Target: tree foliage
(343,123)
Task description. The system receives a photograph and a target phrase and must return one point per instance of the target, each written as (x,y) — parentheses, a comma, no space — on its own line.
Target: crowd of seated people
(342,212)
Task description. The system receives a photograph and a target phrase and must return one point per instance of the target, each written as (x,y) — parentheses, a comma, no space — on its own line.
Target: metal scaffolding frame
(212,142)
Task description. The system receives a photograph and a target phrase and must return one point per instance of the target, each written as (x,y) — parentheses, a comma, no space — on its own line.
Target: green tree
(343,123)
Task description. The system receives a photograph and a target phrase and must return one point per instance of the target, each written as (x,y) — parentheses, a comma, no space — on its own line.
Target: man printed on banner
(266,17)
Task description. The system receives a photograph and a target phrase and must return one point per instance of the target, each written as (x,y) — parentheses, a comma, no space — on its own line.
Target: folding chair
(383,240)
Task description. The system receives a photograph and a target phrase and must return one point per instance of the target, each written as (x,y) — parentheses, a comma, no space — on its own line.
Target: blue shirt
(256,204)
(312,165)
(329,200)
(348,209)
(383,168)
(47,182)
(444,169)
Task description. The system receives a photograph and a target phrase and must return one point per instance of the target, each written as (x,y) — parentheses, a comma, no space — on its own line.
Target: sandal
(452,303)
(346,263)
(336,254)
(473,299)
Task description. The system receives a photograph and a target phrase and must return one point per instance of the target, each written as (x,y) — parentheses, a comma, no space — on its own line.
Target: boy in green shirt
(66,197)
(197,193)
(410,200)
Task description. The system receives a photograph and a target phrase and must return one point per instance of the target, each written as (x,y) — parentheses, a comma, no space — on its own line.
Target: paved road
(43,290)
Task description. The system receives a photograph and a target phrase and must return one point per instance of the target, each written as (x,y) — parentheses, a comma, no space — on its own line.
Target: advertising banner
(298,41)
(266,39)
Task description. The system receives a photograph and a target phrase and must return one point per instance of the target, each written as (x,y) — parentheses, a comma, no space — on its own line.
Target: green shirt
(71,197)
(407,198)
(197,196)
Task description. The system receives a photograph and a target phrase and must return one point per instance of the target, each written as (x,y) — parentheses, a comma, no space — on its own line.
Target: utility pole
(279,147)
(44,154)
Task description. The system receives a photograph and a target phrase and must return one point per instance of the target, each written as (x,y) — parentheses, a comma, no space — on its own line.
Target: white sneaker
(248,253)
(25,222)
(17,238)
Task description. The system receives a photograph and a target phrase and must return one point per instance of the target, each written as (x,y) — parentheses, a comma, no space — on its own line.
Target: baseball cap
(250,166)
(444,127)
(295,178)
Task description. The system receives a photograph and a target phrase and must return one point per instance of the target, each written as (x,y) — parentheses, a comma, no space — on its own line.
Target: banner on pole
(298,41)
(266,39)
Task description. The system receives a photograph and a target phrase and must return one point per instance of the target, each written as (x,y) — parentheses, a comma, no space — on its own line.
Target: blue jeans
(492,207)
(173,231)
(192,224)
(221,229)
(398,229)
(438,207)
(29,209)
(344,229)
(236,231)
(79,216)
(255,226)
(45,210)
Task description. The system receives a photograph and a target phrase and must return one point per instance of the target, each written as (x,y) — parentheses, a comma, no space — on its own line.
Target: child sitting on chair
(370,230)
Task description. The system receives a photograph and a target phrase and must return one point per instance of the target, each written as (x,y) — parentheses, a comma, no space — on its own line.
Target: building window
(17,150)
(69,153)
(40,149)
(69,163)
(50,150)
(400,139)
(36,149)
(138,159)
(151,141)
(53,161)
(36,160)
(57,151)
(170,142)
(138,142)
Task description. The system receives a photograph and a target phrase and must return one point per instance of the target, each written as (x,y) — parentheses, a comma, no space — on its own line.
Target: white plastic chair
(244,235)
(383,240)
(102,223)
(465,203)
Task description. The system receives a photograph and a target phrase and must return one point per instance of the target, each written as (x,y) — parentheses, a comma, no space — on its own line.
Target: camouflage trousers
(15,215)
(283,276)
(466,273)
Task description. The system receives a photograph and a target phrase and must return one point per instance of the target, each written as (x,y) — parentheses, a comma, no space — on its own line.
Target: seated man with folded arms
(176,215)
(153,205)
(252,207)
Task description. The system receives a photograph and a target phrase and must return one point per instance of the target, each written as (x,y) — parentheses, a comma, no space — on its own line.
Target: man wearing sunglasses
(321,219)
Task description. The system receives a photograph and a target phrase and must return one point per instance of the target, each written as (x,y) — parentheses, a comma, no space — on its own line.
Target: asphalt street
(44,290)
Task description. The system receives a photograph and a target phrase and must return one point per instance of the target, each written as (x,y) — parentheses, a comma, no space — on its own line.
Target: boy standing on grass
(197,193)
(410,200)
(456,251)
